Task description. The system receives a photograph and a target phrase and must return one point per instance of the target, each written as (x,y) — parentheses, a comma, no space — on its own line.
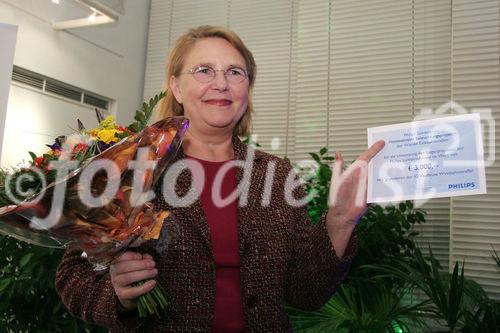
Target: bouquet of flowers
(91,191)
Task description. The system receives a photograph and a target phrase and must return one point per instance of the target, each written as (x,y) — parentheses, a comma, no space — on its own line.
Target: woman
(227,263)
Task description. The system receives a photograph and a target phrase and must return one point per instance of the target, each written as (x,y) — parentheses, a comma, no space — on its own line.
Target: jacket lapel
(248,195)
(194,213)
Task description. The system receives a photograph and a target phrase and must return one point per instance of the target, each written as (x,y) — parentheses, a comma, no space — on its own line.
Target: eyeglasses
(205,74)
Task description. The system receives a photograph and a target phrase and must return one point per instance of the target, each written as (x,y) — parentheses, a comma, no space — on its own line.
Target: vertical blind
(253,20)
(371,70)
(160,18)
(311,103)
(475,220)
(431,88)
(327,70)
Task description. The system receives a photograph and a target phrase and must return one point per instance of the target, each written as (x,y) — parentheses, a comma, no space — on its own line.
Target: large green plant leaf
(28,300)
(454,298)
(364,306)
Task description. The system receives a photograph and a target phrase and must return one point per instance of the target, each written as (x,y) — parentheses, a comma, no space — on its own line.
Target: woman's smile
(219,102)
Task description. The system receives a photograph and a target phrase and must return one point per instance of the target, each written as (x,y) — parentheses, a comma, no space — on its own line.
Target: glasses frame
(192,71)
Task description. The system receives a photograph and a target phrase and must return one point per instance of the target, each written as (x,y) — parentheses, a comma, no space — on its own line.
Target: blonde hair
(170,107)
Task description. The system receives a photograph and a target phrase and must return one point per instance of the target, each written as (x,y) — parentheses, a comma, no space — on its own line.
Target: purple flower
(55,146)
(102,146)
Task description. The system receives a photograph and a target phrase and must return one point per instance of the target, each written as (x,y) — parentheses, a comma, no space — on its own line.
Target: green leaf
(323,151)
(315,157)
(4,283)
(57,308)
(142,116)
(33,155)
(409,204)
(25,259)
(420,216)
(406,224)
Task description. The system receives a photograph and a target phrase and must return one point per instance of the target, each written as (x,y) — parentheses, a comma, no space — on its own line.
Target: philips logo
(461,186)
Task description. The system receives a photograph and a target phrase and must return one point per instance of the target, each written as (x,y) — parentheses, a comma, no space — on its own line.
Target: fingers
(339,158)
(131,261)
(338,165)
(352,184)
(133,255)
(125,294)
(366,156)
(129,268)
(126,279)
(121,267)
(372,151)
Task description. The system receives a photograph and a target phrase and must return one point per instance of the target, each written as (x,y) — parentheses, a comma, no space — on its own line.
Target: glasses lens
(204,73)
(235,75)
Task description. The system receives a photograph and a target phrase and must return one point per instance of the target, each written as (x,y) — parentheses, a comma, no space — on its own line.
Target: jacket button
(251,302)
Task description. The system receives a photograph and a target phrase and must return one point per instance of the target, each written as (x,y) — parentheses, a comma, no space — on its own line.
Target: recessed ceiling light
(100,14)
(55,1)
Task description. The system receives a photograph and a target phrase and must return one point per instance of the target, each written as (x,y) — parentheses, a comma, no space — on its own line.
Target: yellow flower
(107,135)
(93,132)
(108,123)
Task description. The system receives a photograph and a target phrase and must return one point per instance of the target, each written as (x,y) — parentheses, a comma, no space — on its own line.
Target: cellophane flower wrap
(102,206)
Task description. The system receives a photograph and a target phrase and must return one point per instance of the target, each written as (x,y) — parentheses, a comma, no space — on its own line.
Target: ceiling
(68,10)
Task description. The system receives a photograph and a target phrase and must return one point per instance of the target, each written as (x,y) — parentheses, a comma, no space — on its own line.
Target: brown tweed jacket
(283,259)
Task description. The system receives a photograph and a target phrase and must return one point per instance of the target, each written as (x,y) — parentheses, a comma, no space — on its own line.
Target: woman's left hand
(347,200)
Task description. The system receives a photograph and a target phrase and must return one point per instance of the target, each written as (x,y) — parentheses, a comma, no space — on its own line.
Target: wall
(108,60)
(327,70)
(8,35)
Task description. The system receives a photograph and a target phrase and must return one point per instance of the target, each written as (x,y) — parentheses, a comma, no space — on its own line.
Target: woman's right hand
(132,267)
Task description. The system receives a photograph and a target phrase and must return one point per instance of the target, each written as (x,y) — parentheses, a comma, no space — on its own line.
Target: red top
(223,225)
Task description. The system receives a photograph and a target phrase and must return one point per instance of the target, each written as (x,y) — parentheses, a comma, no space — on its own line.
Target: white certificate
(427,159)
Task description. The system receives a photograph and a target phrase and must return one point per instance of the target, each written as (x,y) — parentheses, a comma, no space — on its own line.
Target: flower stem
(152,302)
